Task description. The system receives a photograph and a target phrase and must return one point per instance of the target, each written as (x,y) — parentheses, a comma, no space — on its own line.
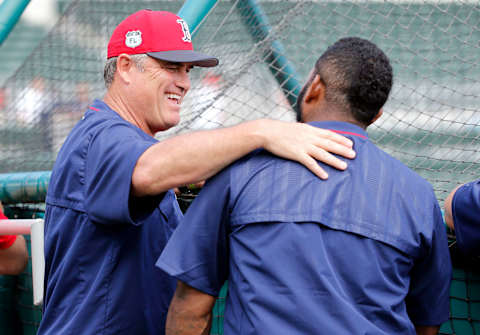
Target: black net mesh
(431,122)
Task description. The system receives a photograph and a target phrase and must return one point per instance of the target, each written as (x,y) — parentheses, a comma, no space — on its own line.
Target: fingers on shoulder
(326,157)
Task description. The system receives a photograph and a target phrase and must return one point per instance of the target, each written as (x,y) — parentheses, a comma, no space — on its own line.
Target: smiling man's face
(161,88)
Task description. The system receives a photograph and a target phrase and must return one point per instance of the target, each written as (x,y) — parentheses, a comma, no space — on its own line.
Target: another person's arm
(13,259)
(427,330)
(197,254)
(448,208)
(462,213)
(190,312)
(13,252)
(197,156)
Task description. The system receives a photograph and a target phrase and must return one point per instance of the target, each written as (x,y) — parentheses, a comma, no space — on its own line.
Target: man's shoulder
(101,117)
(397,168)
(261,157)
(107,123)
(257,162)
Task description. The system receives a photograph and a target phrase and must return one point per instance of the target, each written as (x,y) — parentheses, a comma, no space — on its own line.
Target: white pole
(38,261)
(34,228)
(16,227)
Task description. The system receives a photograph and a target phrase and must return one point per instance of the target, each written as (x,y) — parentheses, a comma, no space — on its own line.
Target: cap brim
(185,56)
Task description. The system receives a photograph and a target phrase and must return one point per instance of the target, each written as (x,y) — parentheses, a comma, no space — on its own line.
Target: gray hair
(111,67)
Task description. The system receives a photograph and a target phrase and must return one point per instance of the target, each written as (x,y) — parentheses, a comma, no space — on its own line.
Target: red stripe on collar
(93,108)
(347,133)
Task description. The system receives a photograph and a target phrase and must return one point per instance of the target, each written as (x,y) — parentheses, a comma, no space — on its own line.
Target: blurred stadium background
(51,66)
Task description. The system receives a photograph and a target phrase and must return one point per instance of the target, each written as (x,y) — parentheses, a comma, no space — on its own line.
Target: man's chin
(166,126)
(172,123)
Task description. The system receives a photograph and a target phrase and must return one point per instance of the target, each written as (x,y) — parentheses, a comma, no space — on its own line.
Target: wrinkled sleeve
(466,217)
(428,297)
(111,157)
(197,253)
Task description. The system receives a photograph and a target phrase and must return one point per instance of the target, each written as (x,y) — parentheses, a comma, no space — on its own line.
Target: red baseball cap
(161,35)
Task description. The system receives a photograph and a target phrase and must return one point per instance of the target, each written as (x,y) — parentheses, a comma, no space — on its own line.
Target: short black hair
(357,75)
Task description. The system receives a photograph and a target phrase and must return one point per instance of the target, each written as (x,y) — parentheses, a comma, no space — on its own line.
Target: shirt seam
(369,232)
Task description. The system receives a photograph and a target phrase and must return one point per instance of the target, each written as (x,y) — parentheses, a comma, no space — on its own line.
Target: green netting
(9,322)
(464,294)
(217,312)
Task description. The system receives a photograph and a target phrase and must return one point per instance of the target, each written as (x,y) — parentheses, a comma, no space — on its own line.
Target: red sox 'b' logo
(186,33)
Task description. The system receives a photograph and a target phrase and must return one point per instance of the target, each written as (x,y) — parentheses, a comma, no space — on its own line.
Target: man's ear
(316,91)
(376,117)
(125,65)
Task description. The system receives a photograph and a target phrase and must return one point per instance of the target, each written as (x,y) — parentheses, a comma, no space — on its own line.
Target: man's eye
(171,68)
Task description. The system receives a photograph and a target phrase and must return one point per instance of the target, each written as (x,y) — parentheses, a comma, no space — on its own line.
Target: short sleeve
(111,158)
(197,253)
(466,217)
(429,293)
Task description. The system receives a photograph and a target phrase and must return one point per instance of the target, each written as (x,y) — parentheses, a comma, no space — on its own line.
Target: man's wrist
(256,133)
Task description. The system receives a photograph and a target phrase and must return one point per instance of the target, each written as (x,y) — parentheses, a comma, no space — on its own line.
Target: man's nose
(183,81)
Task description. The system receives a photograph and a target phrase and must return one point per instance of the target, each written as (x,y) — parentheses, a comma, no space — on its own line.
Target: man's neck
(333,114)
(116,103)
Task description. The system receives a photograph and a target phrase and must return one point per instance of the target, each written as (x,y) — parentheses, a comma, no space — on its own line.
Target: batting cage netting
(266,49)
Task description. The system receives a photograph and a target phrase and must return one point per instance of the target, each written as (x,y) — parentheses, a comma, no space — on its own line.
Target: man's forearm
(197,156)
(190,312)
(189,158)
(180,323)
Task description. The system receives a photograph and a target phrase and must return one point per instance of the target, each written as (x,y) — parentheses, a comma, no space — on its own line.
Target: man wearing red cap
(109,207)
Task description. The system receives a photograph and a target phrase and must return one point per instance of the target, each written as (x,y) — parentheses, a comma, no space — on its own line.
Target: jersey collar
(342,128)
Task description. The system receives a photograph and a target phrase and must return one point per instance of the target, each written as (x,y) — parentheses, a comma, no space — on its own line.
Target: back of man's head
(357,76)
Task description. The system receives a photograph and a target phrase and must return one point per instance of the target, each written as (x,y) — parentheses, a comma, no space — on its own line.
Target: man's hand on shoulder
(306,144)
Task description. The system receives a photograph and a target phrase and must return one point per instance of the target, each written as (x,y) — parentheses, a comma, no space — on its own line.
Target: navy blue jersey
(466,217)
(101,243)
(364,252)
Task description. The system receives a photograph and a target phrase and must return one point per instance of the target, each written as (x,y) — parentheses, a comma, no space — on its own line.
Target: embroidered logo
(186,33)
(133,38)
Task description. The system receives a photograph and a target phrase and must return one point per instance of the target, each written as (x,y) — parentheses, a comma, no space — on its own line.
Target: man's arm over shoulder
(190,312)
(197,156)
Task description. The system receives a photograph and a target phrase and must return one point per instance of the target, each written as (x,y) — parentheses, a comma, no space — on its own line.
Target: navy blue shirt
(364,252)
(101,244)
(466,217)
